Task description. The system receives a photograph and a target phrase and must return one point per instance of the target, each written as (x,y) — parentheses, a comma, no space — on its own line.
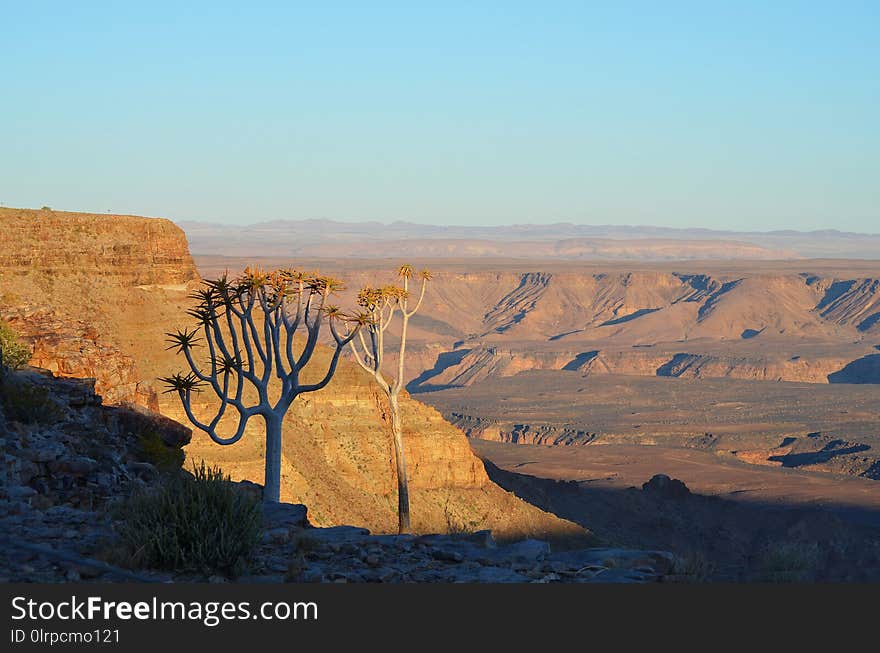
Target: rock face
(95,295)
(759,322)
(337,459)
(81,289)
(73,348)
(135,250)
(66,456)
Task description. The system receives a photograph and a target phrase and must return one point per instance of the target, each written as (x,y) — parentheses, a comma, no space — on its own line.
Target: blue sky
(741,115)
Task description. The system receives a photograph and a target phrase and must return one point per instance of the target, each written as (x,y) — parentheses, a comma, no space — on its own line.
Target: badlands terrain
(771,363)
(755,383)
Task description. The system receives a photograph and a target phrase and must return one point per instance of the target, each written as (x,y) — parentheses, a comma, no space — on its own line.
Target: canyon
(94,296)
(756,383)
(767,362)
(813,321)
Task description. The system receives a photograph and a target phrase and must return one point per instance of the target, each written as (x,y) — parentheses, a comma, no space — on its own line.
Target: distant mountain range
(328,238)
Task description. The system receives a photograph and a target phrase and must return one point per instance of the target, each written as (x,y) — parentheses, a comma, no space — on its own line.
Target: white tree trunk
(403,523)
(272,488)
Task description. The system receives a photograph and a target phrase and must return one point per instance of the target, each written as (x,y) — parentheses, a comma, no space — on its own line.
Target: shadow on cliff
(833,450)
(862,370)
(444,361)
(731,540)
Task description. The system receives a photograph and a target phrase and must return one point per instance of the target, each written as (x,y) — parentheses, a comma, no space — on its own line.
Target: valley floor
(622,466)
(741,523)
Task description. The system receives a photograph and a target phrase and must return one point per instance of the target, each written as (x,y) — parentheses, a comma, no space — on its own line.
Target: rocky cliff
(85,291)
(802,321)
(134,250)
(466,366)
(73,348)
(94,295)
(337,459)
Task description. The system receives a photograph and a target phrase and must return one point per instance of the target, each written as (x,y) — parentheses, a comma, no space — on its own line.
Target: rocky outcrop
(75,349)
(662,486)
(343,554)
(94,295)
(338,460)
(131,249)
(818,452)
(63,446)
(465,367)
(84,290)
(500,431)
(756,368)
(66,458)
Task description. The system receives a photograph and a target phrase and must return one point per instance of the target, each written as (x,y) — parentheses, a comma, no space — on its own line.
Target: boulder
(284,515)
(137,419)
(664,487)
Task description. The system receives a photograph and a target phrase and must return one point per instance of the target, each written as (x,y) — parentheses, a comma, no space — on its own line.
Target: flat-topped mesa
(142,251)
(85,292)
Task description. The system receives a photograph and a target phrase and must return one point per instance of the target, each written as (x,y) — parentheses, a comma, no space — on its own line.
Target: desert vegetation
(13,353)
(381,305)
(27,402)
(20,399)
(197,522)
(249,326)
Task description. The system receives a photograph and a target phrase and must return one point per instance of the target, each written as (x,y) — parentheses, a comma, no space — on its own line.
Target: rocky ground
(56,545)
(729,537)
(68,458)
(293,552)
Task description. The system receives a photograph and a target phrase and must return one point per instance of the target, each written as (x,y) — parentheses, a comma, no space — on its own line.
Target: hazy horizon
(534,224)
(537,225)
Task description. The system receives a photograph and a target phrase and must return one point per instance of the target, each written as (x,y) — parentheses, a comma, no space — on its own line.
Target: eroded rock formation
(81,289)
(94,295)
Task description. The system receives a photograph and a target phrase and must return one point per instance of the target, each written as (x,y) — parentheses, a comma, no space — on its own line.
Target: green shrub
(154,451)
(13,354)
(27,403)
(199,523)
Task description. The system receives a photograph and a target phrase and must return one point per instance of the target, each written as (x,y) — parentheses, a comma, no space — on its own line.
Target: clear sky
(744,115)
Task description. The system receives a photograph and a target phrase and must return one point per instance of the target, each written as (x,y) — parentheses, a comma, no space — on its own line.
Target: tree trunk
(272,485)
(403,525)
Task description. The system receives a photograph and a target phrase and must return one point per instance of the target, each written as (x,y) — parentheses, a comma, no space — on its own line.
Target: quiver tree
(260,325)
(380,306)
